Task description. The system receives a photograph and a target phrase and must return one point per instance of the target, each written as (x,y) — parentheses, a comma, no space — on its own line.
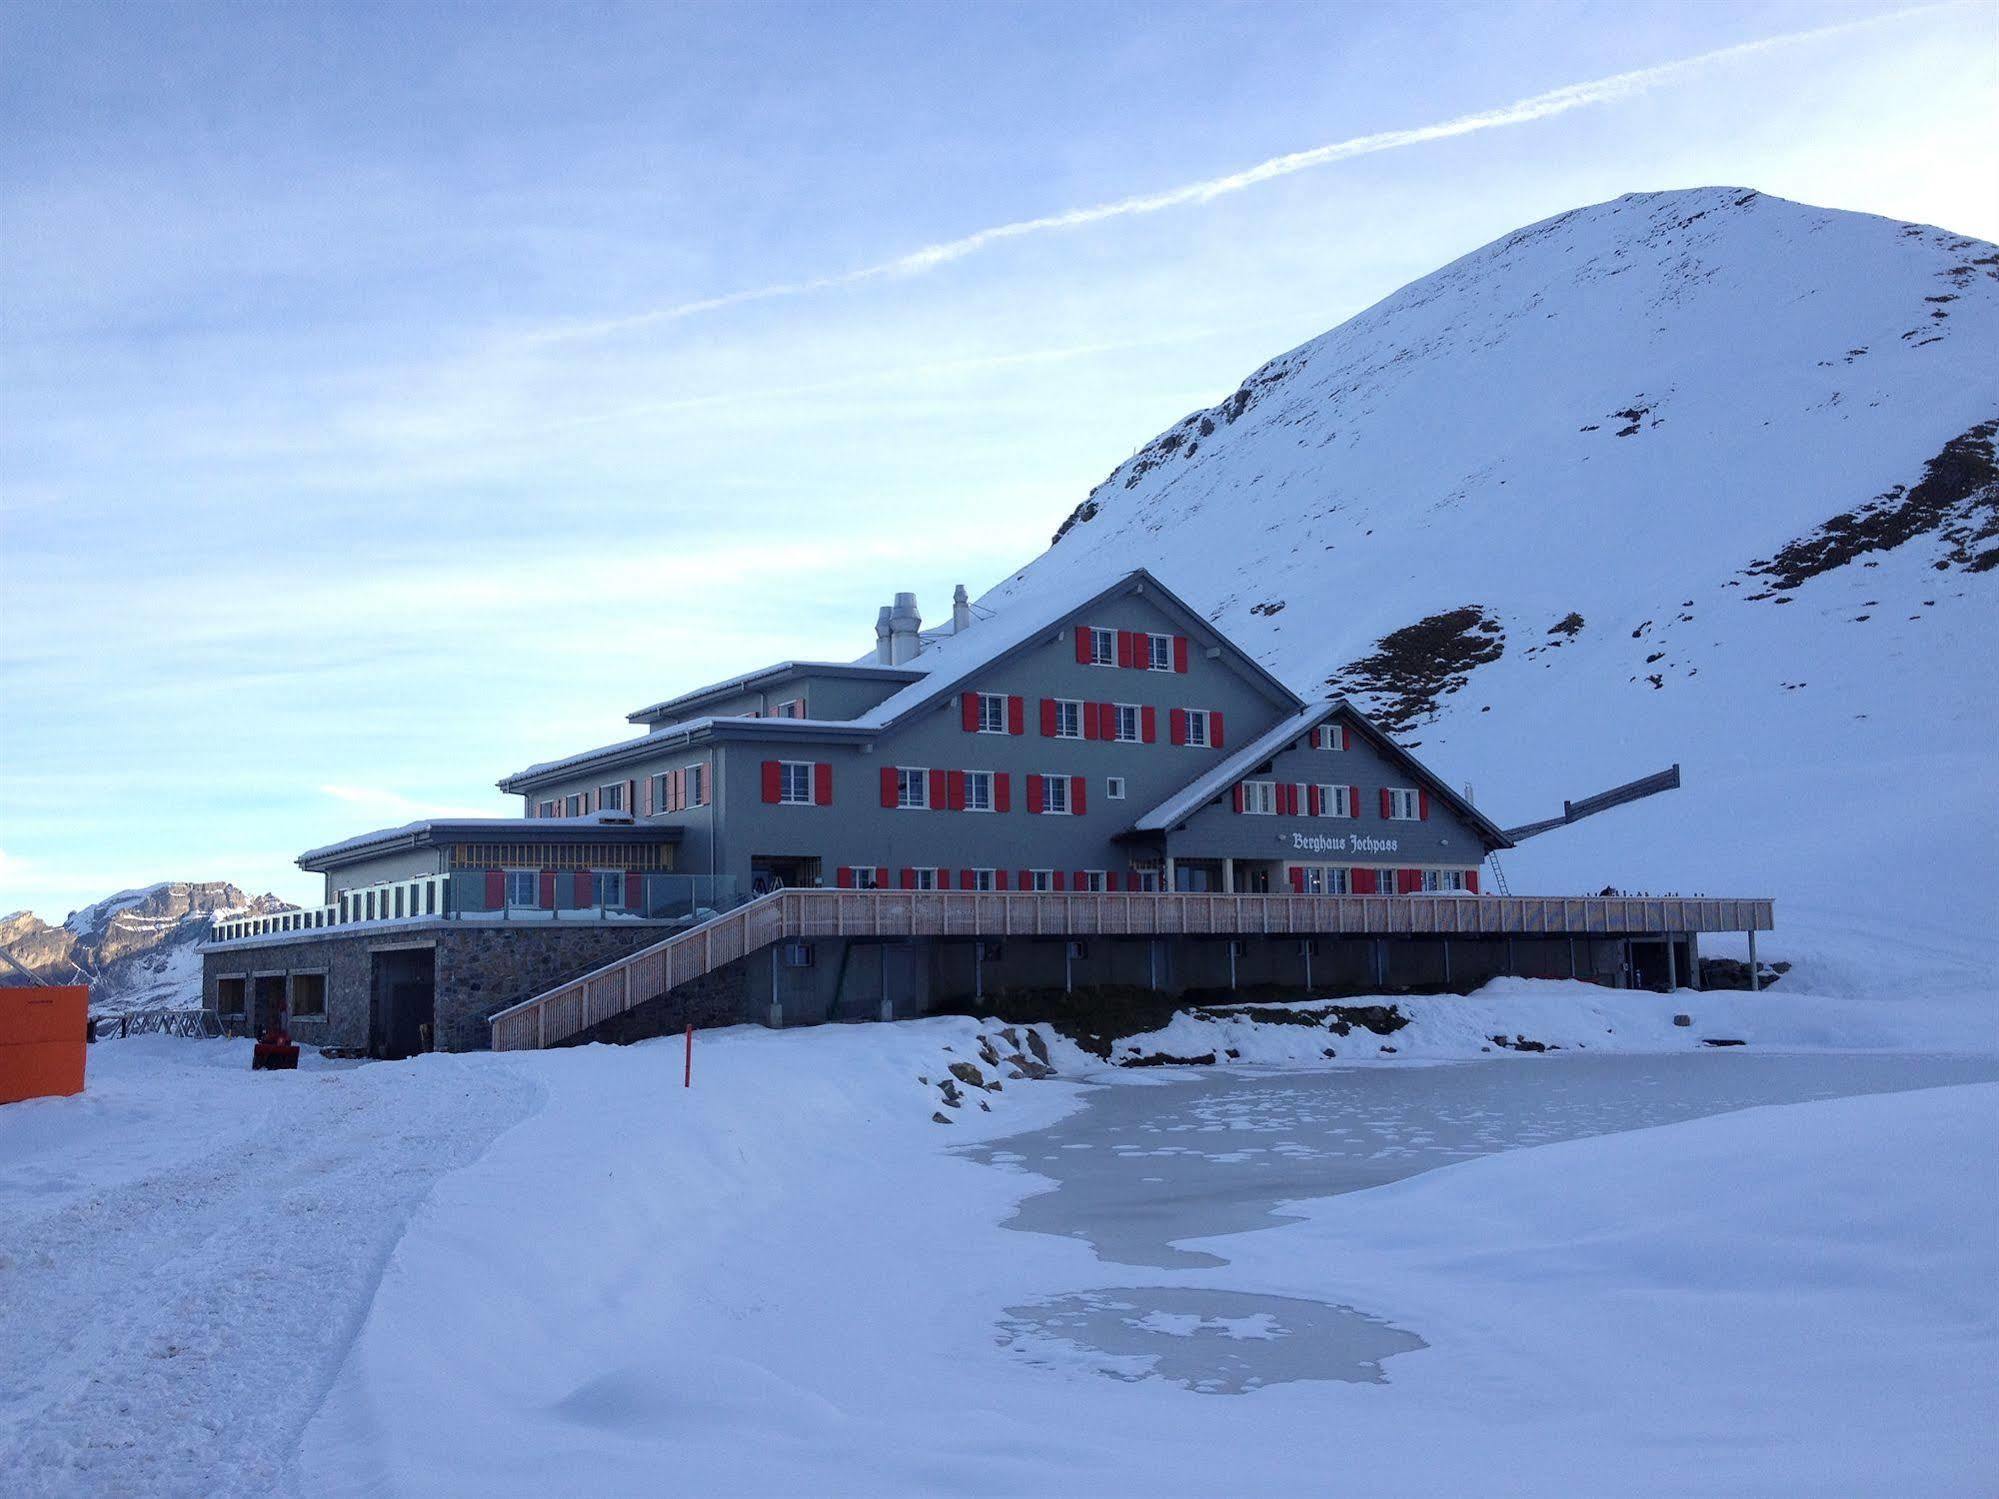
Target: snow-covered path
(175,1306)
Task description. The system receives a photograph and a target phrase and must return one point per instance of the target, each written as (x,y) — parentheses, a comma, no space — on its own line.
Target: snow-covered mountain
(136,949)
(1700,476)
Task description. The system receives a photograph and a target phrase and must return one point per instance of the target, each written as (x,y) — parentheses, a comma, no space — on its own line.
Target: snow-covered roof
(1225,773)
(1197,793)
(432,829)
(781,671)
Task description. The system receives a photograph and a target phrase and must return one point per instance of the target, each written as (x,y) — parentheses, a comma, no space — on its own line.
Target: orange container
(42,1038)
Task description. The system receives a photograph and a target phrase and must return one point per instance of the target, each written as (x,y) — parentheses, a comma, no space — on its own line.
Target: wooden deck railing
(788,915)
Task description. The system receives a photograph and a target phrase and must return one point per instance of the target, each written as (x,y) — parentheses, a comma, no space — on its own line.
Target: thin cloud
(384,803)
(1521,112)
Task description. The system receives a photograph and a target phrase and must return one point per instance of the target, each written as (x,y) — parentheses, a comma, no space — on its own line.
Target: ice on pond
(1210,1341)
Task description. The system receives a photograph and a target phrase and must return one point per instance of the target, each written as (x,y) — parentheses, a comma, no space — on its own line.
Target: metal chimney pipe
(904,630)
(883,653)
(961,610)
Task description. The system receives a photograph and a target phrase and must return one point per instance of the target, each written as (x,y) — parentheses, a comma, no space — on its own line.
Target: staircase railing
(574,1007)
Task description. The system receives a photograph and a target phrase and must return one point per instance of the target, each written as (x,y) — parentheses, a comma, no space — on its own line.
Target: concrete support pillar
(1228,877)
(1694,961)
(1755,977)
(1572,957)
(978,970)
(1307,946)
(1231,965)
(1166,872)
(888,1004)
(1068,966)
(1447,962)
(1511,970)
(1152,963)
(1672,965)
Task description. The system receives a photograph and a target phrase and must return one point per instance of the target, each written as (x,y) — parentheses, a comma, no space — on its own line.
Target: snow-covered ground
(564,1273)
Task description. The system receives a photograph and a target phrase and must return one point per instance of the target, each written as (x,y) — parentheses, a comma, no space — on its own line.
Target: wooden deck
(803,915)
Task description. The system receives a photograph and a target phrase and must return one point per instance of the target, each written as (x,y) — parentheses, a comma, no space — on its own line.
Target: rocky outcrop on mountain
(135,948)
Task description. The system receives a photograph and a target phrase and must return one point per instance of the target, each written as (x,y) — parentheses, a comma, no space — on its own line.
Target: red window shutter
(968,706)
(548,890)
(1002,791)
(1048,718)
(1124,648)
(999,879)
(1090,723)
(1083,645)
(770,780)
(1110,879)
(1238,796)
(646,793)
(1056,879)
(1027,879)
(1384,801)
(1361,881)
(1471,880)
(1082,879)
(1148,723)
(1315,802)
(1297,880)
(845,877)
(1180,654)
(957,791)
(1423,806)
(965,881)
(1176,723)
(888,786)
(585,887)
(496,889)
(822,784)
(1353,801)
(881,877)
(1215,737)
(1037,797)
(1404,881)
(1016,716)
(940,791)
(635,890)
(1079,798)
(1340,737)
(908,879)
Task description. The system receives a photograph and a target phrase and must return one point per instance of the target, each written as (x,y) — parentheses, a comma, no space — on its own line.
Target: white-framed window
(1444,882)
(1068,718)
(608,887)
(656,789)
(1147,877)
(1055,794)
(1336,801)
(912,787)
(978,791)
(1325,879)
(992,713)
(926,879)
(572,804)
(1125,725)
(545,809)
(1041,879)
(1159,652)
(985,879)
(1403,805)
(1197,727)
(863,877)
(1089,879)
(1260,797)
(1103,647)
(794,782)
(696,783)
(308,996)
(1329,736)
(611,798)
(523,888)
(1114,788)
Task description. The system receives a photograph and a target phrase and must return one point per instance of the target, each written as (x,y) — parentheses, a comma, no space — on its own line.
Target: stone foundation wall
(483,969)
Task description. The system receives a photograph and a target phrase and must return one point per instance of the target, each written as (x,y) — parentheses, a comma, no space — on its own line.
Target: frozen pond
(1214,1152)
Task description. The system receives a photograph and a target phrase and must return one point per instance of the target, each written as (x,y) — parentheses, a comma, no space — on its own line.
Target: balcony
(467,895)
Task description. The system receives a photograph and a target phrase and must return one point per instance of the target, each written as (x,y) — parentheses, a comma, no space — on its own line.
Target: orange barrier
(42,1036)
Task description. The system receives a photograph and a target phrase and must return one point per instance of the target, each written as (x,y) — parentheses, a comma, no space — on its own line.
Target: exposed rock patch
(1415,666)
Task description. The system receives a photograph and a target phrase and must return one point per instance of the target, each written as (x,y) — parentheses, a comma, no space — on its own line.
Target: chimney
(961,610)
(882,651)
(904,627)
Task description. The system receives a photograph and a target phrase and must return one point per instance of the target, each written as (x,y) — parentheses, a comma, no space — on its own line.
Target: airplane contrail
(1521,112)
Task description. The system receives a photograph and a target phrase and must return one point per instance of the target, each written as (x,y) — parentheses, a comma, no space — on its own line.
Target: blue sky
(395,395)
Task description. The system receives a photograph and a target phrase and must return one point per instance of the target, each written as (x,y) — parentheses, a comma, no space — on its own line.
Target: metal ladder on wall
(1499,885)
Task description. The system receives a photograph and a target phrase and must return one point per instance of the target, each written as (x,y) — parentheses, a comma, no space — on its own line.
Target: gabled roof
(1197,793)
(946,665)
(781,671)
(433,830)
